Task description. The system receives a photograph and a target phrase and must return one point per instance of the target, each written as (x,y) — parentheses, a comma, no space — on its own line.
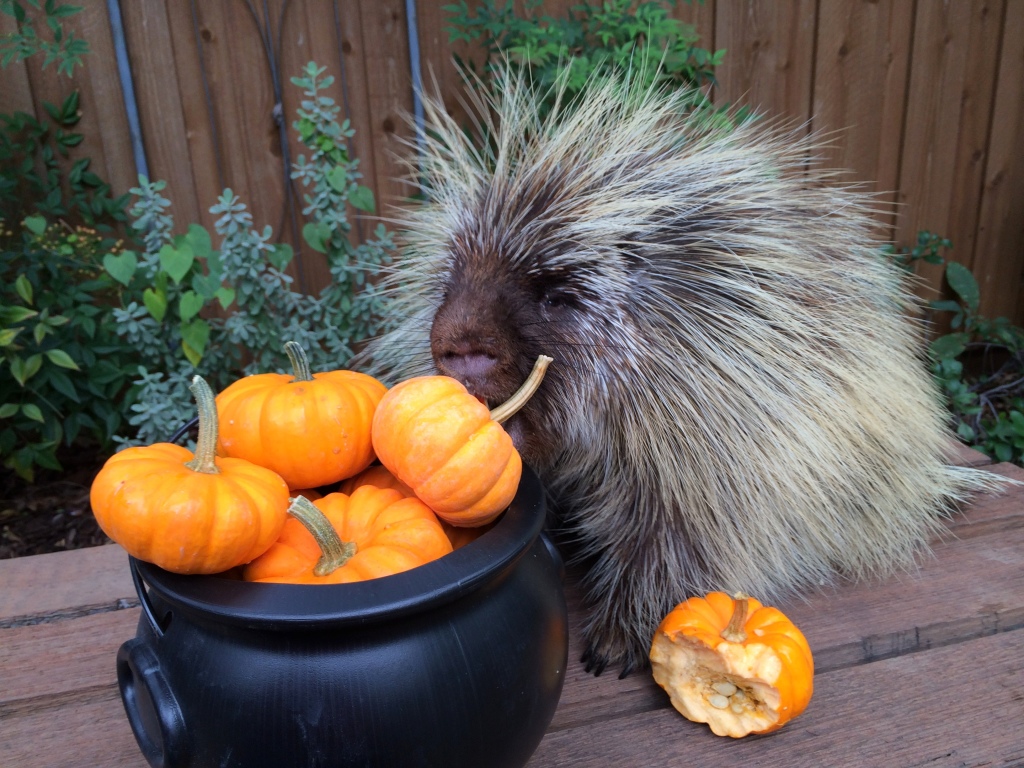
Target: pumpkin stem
(505,411)
(734,631)
(300,363)
(335,552)
(206,444)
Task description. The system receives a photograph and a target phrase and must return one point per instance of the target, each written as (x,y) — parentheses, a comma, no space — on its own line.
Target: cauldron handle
(147,606)
(554,554)
(152,709)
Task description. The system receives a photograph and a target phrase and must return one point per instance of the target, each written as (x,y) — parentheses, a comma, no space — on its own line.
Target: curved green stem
(206,445)
(505,411)
(335,552)
(300,363)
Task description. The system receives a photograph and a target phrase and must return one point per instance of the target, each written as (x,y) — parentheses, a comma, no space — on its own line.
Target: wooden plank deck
(924,669)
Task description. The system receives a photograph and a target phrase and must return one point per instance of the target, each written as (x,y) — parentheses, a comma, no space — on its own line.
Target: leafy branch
(62,46)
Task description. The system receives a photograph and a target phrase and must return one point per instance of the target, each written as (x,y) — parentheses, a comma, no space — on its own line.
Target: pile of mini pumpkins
(248,497)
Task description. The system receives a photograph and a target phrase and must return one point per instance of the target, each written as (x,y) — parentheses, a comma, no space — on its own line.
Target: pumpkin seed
(718,701)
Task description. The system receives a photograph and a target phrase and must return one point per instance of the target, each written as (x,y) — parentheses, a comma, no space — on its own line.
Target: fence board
(999,249)
(103,123)
(235,65)
(389,91)
(16,94)
(364,76)
(200,156)
(769,59)
(105,120)
(307,33)
(702,16)
(441,76)
(860,88)
(952,77)
(161,114)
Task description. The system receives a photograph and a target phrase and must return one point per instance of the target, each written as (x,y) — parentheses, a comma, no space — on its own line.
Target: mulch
(51,514)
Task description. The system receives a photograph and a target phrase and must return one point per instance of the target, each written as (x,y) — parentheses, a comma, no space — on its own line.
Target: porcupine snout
(476,337)
(471,340)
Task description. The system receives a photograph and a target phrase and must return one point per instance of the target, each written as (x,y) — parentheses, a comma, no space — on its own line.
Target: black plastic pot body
(459,662)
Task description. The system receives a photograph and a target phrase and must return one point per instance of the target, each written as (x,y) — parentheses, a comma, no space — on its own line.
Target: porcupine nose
(467,363)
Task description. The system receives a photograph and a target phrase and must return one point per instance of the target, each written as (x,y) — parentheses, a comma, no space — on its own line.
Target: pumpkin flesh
(753,682)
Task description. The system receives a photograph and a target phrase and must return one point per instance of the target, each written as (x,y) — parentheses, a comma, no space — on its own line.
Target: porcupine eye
(555,299)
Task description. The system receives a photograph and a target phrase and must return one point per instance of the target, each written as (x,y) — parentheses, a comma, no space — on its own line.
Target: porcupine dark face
(496,317)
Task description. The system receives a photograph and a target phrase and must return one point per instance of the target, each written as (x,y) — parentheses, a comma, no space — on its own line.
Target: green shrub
(101,340)
(66,363)
(591,40)
(979,364)
(60,45)
(172,279)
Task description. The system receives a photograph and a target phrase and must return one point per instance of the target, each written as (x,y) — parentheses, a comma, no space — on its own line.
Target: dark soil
(52,514)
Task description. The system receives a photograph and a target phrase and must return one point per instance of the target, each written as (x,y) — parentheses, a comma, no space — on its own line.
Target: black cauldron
(459,662)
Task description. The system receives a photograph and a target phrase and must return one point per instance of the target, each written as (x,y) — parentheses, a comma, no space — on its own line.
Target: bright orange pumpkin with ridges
(381,477)
(189,513)
(377,475)
(446,445)
(312,429)
(439,440)
(733,663)
(376,532)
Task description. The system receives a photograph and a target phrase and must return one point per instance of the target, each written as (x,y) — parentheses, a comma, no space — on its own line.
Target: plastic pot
(459,662)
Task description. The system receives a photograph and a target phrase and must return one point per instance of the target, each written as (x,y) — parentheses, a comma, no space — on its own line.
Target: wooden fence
(927,98)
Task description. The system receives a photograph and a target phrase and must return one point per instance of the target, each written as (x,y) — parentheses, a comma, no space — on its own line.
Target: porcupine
(738,398)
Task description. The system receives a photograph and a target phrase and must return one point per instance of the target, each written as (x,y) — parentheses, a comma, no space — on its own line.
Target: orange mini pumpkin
(377,475)
(734,664)
(313,429)
(189,513)
(339,539)
(449,448)
(382,477)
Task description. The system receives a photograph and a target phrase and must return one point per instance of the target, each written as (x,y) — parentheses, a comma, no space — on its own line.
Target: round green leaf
(199,241)
(176,262)
(189,305)
(206,285)
(280,255)
(949,346)
(337,177)
(316,234)
(194,336)
(225,296)
(121,266)
(35,224)
(362,198)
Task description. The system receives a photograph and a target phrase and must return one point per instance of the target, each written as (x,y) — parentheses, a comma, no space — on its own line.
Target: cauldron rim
(328,606)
